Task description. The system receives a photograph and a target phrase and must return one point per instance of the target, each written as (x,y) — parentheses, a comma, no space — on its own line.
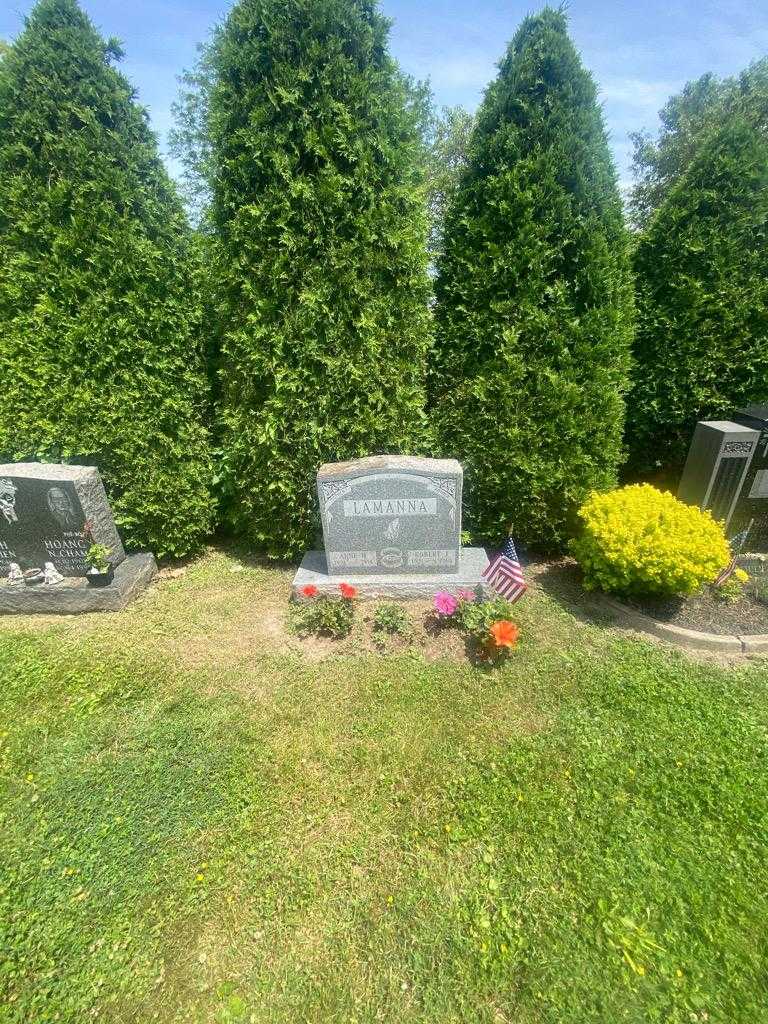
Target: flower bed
(486,625)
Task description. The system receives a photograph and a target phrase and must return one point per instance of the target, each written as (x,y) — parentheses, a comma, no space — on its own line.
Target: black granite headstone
(43,514)
(41,522)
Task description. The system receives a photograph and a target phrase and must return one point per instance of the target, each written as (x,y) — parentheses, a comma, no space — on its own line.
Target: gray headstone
(391,514)
(43,512)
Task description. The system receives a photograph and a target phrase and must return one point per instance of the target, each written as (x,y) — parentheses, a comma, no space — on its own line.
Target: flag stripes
(505,574)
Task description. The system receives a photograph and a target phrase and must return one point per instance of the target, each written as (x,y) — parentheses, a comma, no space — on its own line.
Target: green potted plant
(100,572)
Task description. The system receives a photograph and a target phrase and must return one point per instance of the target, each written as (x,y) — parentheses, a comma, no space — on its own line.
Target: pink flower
(466,594)
(445,603)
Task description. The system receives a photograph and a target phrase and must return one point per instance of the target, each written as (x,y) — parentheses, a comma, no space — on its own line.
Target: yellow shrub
(638,540)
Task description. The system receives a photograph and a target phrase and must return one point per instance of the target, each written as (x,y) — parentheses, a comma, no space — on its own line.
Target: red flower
(310,590)
(348,592)
(505,633)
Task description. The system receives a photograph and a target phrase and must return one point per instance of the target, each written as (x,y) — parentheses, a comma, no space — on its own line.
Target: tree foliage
(319,212)
(702,286)
(98,296)
(189,139)
(447,147)
(659,163)
(534,300)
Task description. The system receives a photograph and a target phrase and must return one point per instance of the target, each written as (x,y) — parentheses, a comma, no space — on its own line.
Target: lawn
(204,820)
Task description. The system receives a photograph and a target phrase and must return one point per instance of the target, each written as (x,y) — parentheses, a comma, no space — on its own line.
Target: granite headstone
(391,514)
(44,509)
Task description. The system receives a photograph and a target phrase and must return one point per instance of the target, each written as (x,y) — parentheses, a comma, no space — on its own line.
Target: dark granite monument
(392,527)
(50,514)
(43,513)
(751,511)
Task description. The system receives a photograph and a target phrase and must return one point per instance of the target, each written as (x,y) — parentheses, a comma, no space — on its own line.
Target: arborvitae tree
(534,298)
(321,219)
(99,309)
(702,287)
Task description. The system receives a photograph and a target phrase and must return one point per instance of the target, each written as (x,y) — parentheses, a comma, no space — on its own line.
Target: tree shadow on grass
(563,582)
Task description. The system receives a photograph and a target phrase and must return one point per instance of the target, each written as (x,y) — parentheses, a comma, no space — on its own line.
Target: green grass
(201,823)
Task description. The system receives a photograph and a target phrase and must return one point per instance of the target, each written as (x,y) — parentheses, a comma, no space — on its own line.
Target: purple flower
(445,603)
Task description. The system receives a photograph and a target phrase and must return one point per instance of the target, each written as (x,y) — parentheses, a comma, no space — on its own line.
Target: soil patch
(424,635)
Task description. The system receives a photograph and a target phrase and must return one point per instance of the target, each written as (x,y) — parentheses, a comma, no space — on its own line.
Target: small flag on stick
(505,574)
(725,574)
(737,543)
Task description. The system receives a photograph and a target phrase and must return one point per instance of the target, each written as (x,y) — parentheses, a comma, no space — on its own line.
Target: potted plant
(101,572)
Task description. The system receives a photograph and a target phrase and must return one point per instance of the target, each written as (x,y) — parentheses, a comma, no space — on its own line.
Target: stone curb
(693,638)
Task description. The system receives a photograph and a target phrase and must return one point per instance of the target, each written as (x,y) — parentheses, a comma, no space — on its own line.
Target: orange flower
(347,592)
(310,590)
(505,633)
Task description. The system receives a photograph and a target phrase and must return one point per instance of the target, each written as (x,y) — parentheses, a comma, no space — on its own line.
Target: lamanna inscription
(392,507)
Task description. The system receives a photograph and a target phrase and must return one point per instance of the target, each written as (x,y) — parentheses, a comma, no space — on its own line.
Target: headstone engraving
(44,509)
(391,515)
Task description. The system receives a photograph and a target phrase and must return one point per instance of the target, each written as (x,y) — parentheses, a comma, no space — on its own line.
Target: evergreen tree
(702,287)
(534,298)
(99,303)
(320,216)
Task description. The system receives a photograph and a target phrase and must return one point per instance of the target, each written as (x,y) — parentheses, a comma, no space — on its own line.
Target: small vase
(100,577)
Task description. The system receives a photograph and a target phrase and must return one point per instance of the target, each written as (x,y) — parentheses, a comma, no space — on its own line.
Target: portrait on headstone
(8,500)
(42,521)
(60,505)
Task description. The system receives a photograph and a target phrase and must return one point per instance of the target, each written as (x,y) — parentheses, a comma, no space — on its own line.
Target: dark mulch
(706,613)
(563,581)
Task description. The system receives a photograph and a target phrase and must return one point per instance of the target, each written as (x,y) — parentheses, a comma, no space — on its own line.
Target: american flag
(504,573)
(738,542)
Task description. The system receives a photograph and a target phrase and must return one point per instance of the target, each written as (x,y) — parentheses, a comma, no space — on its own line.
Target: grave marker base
(472,562)
(74,595)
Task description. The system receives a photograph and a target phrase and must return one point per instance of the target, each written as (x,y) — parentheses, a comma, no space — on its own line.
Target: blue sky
(639,52)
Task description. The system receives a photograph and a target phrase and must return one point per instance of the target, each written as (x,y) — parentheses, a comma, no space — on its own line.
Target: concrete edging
(681,637)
